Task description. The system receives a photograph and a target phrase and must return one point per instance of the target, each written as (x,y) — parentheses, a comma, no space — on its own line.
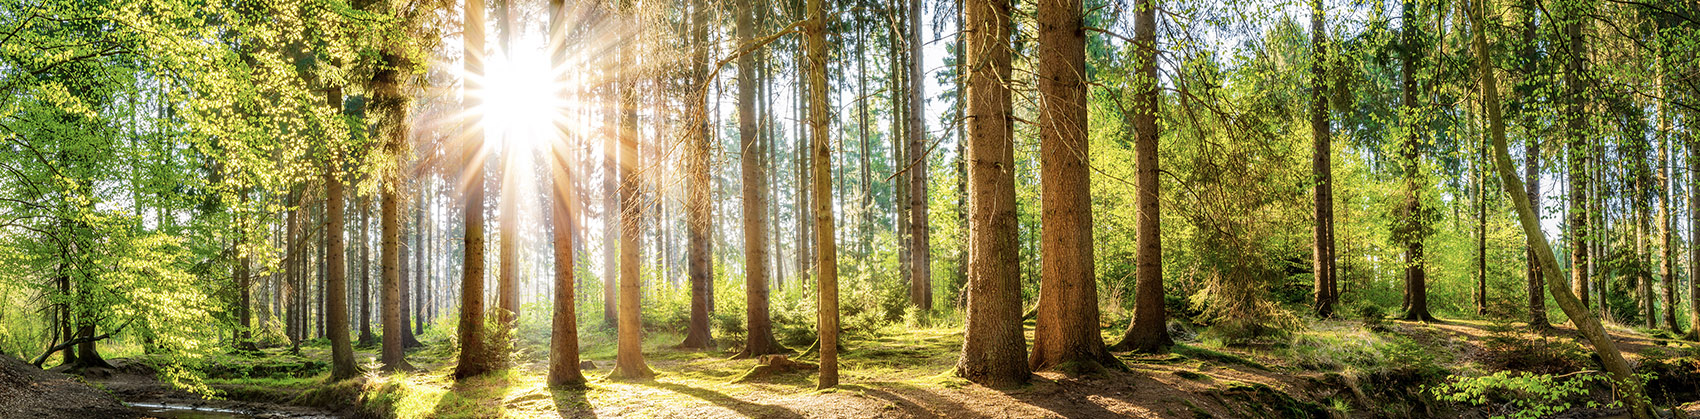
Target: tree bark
(1065,334)
(563,340)
(1415,226)
(472,360)
(342,352)
(366,336)
(993,347)
(920,245)
(628,361)
(826,246)
(1148,332)
(1322,265)
(699,211)
(1585,321)
(759,337)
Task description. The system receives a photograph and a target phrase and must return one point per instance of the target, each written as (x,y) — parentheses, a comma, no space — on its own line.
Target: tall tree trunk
(698,203)
(507,265)
(1415,224)
(1693,159)
(1666,262)
(1321,167)
(563,339)
(409,259)
(1585,322)
(759,337)
(1065,334)
(920,245)
(993,347)
(244,282)
(628,361)
(611,217)
(826,244)
(366,336)
(1148,332)
(342,353)
(473,359)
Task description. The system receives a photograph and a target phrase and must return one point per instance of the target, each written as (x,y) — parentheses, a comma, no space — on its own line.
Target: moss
(1190,375)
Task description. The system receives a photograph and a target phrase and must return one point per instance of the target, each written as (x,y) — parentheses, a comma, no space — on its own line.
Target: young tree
(1149,331)
(759,338)
(826,246)
(1066,331)
(473,357)
(993,347)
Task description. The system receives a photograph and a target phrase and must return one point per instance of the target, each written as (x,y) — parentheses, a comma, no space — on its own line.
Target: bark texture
(994,350)
(1149,331)
(1065,334)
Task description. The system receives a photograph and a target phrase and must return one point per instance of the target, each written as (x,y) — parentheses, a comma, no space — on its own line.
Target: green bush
(1522,394)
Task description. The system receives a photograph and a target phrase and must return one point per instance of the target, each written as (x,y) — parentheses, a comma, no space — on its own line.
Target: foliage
(1523,394)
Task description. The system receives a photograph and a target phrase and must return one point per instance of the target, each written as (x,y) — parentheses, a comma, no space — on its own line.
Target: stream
(163,410)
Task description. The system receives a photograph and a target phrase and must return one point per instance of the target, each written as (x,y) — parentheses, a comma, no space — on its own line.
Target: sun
(521,103)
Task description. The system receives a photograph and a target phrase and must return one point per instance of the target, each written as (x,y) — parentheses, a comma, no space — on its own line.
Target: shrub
(1522,394)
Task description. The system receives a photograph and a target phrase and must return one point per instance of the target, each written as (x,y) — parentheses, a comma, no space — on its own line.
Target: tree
(994,350)
(1065,333)
(628,360)
(920,245)
(473,357)
(1149,331)
(366,336)
(698,211)
(1322,266)
(1585,322)
(1413,226)
(336,306)
(826,246)
(563,345)
(507,266)
(759,338)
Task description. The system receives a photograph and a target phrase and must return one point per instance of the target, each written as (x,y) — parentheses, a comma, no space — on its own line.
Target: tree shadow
(754,410)
(913,400)
(1072,397)
(467,397)
(572,404)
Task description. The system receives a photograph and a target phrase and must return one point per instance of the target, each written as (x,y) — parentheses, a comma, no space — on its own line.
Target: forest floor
(1335,368)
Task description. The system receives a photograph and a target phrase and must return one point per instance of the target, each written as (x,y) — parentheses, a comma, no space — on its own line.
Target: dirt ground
(896,375)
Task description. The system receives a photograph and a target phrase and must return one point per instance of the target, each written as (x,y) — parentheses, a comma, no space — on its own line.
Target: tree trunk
(993,347)
(563,340)
(366,336)
(1148,332)
(826,245)
(336,306)
(473,357)
(759,340)
(699,210)
(1609,357)
(1322,265)
(920,252)
(628,361)
(1666,263)
(1415,226)
(409,258)
(1065,334)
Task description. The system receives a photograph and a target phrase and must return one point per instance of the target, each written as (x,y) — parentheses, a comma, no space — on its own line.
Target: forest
(849,208)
